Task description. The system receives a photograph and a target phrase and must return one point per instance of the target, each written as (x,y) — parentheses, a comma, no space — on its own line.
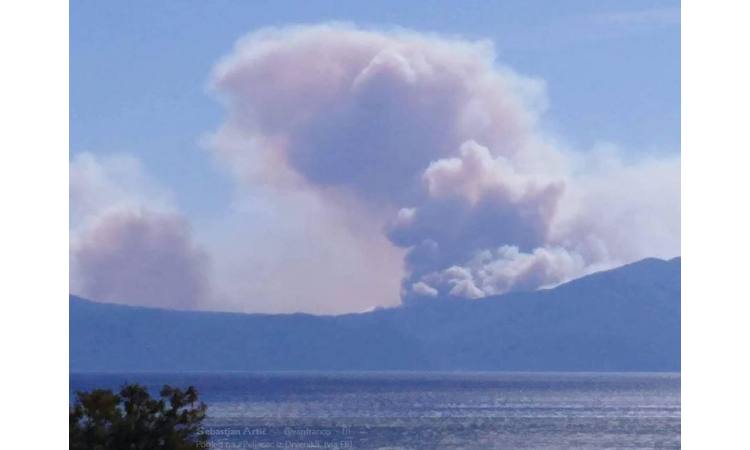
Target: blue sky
(139,70)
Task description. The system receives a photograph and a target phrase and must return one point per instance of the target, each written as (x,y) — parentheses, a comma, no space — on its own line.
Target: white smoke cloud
(474,202)
(442,145)
(368,111)
(141,257)
(492,272)
(289,251)
(128,242)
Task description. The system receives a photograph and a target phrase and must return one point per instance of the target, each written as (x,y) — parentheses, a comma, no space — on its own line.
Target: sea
(403,410)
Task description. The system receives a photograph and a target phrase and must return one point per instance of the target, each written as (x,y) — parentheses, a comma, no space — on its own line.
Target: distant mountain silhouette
(625,319)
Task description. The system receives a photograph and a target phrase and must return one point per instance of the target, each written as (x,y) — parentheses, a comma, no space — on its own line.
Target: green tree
(133,420)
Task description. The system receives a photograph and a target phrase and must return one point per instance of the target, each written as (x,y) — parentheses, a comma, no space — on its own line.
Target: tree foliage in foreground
(133,420)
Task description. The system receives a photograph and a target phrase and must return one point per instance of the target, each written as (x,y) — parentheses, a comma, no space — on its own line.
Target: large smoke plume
(366,160)
(443,147)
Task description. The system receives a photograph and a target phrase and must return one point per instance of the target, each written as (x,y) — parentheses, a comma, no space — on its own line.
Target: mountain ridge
(627,318)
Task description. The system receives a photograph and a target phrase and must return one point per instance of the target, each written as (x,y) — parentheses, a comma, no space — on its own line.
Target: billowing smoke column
(443,147)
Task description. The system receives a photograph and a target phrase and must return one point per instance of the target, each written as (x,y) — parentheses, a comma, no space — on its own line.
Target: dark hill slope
(624,319)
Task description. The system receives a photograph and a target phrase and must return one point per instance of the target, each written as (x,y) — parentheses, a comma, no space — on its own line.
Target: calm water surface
(428,411)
